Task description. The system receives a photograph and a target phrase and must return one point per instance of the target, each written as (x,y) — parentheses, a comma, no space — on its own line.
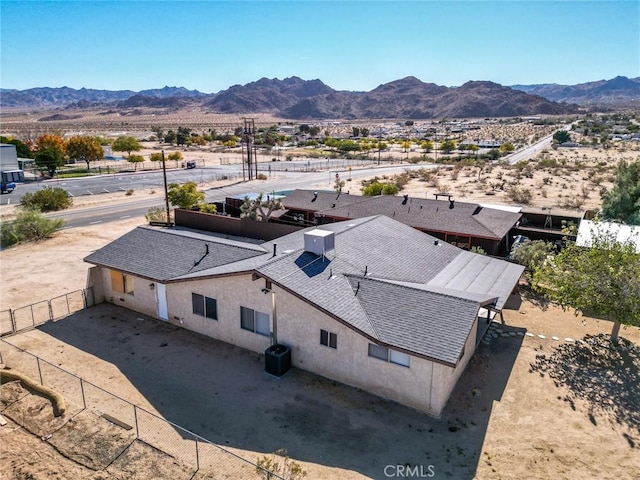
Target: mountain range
(295,98)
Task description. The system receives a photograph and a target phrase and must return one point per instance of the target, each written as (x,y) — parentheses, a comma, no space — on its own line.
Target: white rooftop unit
(319,241)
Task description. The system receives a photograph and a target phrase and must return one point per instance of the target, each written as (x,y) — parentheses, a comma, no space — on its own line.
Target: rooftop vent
(405,200)
(319,241)
(451,204)
(315,196)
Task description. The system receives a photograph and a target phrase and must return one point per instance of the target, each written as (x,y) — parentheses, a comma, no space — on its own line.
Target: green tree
(532,254)
(314,131)
(155,157)
(426,145)
(135,159)
(170,137)
(47,199)
(507,147)
(176,156)
(602,280)
(158,132)
(85,149)
(183,136)
(448,146)
(561,136)
(22,149)
(126,144)
(185,196)
(259,209)
(622,203)
(29,225)
(50,159)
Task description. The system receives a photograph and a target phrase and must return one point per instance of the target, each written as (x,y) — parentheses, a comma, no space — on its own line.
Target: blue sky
(359,45)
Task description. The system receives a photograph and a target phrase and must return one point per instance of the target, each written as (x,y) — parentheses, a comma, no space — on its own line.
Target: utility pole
(166,191)
(248,146)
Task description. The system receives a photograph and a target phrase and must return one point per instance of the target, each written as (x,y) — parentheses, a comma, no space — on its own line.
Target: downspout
(274,338)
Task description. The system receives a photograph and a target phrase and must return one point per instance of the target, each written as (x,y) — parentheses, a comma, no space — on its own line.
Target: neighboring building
(618,231)
(465,225)
(9,169)
(371,302)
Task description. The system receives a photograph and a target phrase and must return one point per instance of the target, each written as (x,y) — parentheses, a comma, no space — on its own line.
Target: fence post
(84,401)
(135,416)
(197,455)
(39,371)
(50,310)
(12,317)
(33,321)
(66,297)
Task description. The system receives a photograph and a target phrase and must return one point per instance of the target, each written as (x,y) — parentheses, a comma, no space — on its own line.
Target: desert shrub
(47,199)
(208,208)
(156,214)
(279,463)
(520,195)
(29,225)
(261,176)
(377,188)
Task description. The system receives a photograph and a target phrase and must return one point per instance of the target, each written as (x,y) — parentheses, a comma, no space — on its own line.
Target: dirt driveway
(511,415)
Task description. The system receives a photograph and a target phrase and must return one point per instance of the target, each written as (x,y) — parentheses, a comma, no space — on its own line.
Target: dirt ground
(527,407)
(534,403)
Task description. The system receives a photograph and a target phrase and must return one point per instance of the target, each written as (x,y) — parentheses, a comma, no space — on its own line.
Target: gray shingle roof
(162,254)
(431,324)
(307,200)
(416,296)
(435,215)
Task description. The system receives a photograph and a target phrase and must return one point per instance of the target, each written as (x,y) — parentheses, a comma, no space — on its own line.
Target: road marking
(97,221)
(126,216)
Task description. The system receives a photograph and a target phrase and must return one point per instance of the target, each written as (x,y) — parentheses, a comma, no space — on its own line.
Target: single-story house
(370,302)
(463,224)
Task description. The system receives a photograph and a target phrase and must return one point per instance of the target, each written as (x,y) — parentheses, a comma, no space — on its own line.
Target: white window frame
(256,322)
(392,356)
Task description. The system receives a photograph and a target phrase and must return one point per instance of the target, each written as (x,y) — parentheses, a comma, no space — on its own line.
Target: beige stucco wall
(96,283)
(425,386)
(142,300)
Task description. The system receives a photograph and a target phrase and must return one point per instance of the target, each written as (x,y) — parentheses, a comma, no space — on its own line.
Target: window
(254,321)
(328,339)
(204,306)
(121,282)
(389,355)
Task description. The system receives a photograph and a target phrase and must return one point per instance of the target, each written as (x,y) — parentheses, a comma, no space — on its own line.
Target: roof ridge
(209,239)
(427,288)
(364,310)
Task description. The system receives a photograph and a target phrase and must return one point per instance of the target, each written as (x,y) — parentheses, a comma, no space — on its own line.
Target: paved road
(530,151)
(289,180)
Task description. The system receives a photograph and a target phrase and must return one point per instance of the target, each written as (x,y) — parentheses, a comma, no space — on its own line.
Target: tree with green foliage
(50,159)
(561,136)
(314,131)
(135,159)
(170,137)
(47,199)
(506,148)
(601,280)
(185,196)
(255,209)
(126,144)
(176,156)
(448,146)
(426,145)
(22,149)
(183,136)
(532,254)
(29,225)
(622,202)
(155,157)
(84,149)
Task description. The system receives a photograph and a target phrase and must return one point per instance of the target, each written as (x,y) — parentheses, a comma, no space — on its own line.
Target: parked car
(191,164)
(518,240)
(7,187)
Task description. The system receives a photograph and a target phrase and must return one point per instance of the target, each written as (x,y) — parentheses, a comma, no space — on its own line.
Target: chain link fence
(29,316)
(177,442)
